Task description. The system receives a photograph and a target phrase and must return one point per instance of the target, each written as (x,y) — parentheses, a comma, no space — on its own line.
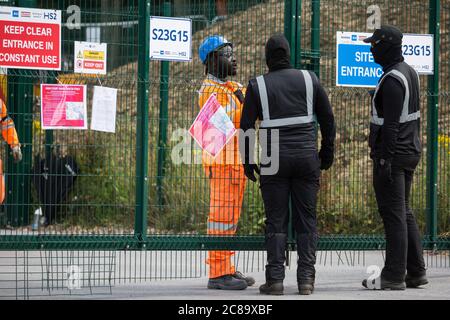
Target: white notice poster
(104,107)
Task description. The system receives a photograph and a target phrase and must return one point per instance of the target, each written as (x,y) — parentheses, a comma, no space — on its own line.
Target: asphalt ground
(338,279)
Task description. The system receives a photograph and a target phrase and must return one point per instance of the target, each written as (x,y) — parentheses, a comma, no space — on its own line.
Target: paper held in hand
(212,128)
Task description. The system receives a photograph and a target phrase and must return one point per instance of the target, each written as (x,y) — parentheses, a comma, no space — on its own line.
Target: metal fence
(130,195)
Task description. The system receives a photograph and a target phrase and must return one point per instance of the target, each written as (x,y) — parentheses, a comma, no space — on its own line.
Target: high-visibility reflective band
(270,123)
(5,119)
(309,91)
(263,96)
(219,226)
(8,126)
(405,116)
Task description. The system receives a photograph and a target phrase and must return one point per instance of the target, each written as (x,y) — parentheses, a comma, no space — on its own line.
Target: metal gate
(131,196)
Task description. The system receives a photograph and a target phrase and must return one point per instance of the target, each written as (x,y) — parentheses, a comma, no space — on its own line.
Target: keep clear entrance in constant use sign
(30,38)
(355,66)
(170,39)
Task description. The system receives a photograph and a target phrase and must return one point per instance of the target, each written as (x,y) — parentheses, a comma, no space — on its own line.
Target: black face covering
(386,54)
(278,53)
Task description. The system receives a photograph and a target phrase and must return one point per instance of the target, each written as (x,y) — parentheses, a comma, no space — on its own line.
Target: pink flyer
(63,106)
(212,128)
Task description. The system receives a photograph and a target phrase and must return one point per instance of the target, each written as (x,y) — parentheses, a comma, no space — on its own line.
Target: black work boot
(276,247)
(305,287)
(385,285)
(272,288)
(415,282)
(306,272)
(227,282)
(239,275)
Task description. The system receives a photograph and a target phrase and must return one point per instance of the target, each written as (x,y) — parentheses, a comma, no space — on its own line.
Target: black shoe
(414,282)
(386,285)
(274,288)
(250,280)
(305,287)
(227,282)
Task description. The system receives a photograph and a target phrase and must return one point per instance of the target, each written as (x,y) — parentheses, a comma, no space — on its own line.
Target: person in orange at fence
(225,171)
(9,134)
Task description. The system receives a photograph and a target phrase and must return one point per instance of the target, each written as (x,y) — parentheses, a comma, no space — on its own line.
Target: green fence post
(140,224)
(432,125)
(298,35)
(292,32)
(289,33)
(163,117)
(211,10)
(315,36)
(289,25)
(20,106)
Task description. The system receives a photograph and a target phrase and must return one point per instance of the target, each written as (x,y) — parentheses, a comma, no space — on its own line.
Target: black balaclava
(278,53)
(387,54)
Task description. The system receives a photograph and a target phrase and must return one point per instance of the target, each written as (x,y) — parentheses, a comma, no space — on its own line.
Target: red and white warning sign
(63,106)
(30,38)
(90,57)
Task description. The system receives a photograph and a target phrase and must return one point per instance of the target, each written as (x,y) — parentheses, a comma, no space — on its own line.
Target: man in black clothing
(395,150)
(288,102)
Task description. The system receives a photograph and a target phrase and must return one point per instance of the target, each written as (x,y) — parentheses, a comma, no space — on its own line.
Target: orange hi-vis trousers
(227,186)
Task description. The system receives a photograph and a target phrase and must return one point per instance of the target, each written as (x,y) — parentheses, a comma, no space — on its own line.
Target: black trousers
(297,180)
(403,243)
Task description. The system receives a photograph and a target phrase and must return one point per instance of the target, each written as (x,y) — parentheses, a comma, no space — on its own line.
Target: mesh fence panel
(102,203)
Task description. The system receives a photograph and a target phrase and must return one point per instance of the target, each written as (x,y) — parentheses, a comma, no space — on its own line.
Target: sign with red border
(30,38)
(63,106)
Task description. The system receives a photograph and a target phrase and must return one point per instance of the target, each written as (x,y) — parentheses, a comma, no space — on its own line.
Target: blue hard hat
(210,44)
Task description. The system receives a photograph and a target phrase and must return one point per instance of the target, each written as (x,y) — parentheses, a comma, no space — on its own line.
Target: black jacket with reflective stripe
(398,134)
(288,102)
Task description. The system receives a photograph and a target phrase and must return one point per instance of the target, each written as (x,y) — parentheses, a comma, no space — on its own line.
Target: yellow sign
(94,55)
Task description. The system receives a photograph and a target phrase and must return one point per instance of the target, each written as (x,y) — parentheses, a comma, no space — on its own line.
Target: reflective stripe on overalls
(270,123)
(221,227)
(405,116)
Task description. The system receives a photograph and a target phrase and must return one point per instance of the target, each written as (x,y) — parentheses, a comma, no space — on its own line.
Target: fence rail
(129,195)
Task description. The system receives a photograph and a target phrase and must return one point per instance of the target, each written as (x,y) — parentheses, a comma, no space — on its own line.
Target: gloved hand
(17,154)
(326,159)
(384,169)
(249,171)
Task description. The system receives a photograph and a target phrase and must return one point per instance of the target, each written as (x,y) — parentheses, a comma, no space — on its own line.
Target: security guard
(288,102)
(225,172)
(395,149)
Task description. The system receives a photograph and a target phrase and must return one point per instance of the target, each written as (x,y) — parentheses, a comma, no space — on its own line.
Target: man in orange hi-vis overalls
(9,134)
(225,172)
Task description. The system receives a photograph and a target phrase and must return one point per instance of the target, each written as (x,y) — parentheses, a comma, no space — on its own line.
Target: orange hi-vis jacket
(9,132)
(225,94)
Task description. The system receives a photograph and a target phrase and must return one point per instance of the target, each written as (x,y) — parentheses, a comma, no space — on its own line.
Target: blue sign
(356,67)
